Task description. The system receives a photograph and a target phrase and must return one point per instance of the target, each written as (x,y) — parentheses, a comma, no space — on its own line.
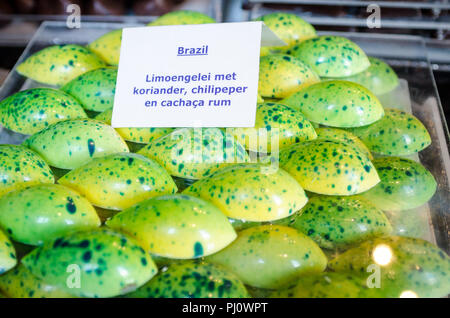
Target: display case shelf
(430,18)
(433,4)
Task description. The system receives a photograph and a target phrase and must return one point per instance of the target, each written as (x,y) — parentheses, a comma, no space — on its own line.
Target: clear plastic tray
(417,93)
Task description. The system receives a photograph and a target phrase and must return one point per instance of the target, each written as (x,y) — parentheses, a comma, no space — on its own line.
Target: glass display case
(416,94)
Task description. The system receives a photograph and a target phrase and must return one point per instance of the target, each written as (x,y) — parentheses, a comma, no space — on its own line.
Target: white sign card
(202,75)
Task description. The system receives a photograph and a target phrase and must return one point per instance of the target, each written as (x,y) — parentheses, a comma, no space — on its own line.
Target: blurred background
(19,19)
